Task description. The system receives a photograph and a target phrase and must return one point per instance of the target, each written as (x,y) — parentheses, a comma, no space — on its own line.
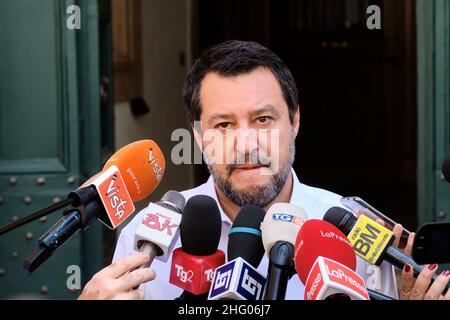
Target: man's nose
(246,142)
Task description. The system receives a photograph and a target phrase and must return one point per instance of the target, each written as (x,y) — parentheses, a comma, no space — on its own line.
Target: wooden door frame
(433,51)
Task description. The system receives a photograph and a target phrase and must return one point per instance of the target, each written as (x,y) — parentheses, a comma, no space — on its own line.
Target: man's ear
(296,121)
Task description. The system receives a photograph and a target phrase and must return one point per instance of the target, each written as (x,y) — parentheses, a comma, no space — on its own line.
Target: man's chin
(246,179)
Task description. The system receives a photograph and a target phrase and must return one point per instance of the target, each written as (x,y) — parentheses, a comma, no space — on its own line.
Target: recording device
(331,280)
(140,165)
(371,241)
(432,243)
(158,230)
(194,263)
(319,238)
(325,262)
(446,169)
(239,279)
(279,231)
(356,204)
(131,174)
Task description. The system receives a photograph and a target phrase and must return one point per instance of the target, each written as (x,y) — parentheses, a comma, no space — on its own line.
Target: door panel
(50,138)
(434,108)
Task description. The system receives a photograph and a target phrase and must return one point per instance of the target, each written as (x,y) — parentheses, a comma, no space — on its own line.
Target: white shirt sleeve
(124,247)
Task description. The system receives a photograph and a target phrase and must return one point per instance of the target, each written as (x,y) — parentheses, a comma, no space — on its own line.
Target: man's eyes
(223,125)
(264,120)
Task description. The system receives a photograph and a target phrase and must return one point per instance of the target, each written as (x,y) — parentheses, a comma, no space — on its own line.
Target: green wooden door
(433,32)
(51,120)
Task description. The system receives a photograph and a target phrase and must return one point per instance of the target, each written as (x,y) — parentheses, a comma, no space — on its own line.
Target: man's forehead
(250,91)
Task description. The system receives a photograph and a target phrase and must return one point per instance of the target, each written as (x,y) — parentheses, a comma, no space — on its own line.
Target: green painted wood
(433,38)
(90,124)
(37,107)
(426,110)
(50,126)
(442,129)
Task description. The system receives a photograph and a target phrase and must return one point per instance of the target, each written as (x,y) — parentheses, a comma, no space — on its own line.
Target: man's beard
(258,195)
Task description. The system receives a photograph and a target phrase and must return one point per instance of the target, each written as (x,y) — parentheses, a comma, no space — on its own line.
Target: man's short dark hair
(233,58)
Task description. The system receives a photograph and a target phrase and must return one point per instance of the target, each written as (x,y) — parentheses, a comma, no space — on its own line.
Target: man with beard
(242,93)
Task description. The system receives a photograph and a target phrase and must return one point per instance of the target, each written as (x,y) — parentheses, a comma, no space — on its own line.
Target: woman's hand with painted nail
(422,288)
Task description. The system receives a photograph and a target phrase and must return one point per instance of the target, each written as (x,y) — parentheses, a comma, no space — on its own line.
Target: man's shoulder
(316,201)
(322,194)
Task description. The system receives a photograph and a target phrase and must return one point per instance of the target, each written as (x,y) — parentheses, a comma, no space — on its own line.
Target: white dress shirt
(313,200)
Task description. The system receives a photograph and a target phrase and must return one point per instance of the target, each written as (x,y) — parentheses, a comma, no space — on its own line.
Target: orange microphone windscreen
(141,165)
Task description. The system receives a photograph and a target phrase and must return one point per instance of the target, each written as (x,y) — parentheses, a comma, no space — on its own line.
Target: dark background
(357,90)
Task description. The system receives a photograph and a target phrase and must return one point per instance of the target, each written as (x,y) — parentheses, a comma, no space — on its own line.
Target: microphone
(279,231)
(330,280)
(239,279)
(194,263)
(319,238)
(370,240)
(134,161)
(446,169)
(325,263)
(131,174)
(158,230)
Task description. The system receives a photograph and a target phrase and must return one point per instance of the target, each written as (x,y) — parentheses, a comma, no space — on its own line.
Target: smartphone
(356,204)
(432,243)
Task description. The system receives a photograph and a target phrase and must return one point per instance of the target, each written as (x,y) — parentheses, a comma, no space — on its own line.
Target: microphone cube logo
(288,218)
(209,275)
(251,283)
(159,226)
(314,283)
(194,273)
(114,196)
(237,280)
(222,280)
(328,277)
(183,275)
(160,222)
(370,239)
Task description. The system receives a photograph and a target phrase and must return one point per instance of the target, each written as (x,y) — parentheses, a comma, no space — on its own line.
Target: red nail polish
(446,273)
(407,267)
(432,266)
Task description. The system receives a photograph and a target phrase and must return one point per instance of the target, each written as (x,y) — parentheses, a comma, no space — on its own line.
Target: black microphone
(239,278)
(244,238)
(370,235)
(446,169)
(194,263)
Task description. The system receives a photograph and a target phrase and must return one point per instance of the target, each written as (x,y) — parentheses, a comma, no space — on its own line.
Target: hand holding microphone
(116,282)
(374,243)
(370,240)
(122,278)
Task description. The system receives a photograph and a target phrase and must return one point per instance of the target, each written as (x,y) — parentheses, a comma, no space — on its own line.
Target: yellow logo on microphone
(370,239)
